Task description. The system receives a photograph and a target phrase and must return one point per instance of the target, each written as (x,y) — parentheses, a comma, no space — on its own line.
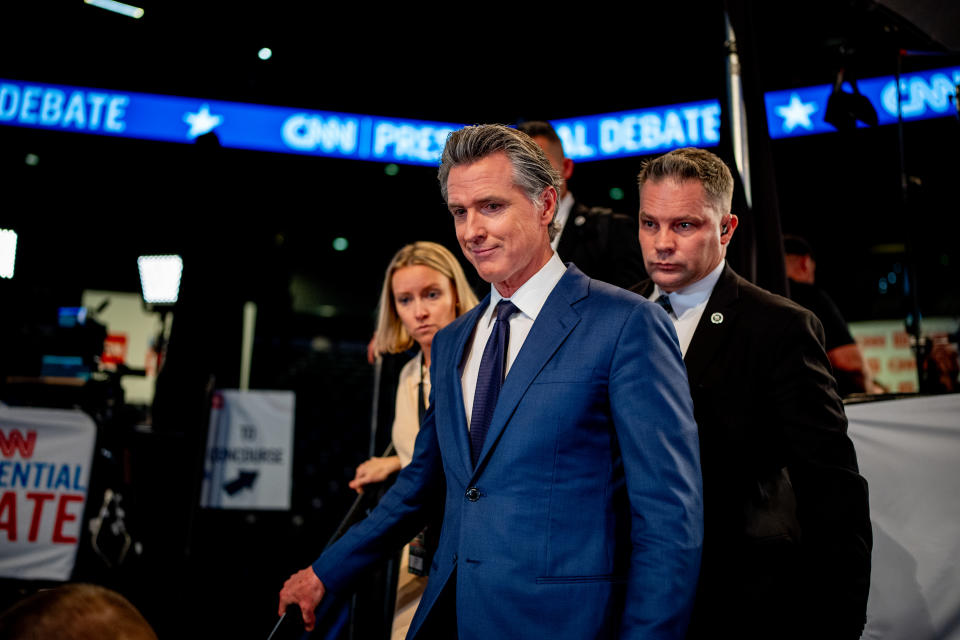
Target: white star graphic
(202,121)
(796,114)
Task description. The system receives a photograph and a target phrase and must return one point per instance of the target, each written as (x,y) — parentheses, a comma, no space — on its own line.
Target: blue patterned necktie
(664,301)
(490,378)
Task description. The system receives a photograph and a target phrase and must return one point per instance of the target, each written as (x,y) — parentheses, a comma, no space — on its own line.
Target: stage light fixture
(265,53)
(118,7)
(844,109)
(340,244)
(8,252)
(160,278)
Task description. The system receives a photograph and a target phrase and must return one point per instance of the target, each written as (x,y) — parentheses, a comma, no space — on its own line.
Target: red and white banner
(45,459)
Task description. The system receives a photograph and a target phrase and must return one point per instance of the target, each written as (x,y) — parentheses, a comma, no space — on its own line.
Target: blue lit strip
(238,125)
(926,94)
(642,132)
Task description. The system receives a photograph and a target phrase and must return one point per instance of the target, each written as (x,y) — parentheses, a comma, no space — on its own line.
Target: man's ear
(549,200)
(727,228)
(567,169)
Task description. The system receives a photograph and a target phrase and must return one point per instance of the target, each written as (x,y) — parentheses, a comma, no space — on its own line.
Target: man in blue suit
(572,495)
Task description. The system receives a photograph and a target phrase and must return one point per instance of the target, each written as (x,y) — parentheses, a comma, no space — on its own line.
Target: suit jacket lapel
(714,326)
(457,417)
(554,323)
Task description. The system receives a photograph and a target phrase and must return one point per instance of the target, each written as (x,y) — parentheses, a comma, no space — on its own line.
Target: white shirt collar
(563,214)
(532,294)
(693,294)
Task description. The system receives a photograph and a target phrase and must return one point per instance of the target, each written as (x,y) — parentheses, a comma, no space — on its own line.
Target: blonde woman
(424,290)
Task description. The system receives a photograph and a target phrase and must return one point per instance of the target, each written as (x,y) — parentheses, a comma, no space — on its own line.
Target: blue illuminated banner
(926,94)
(237,125)
(642,132)
(792,112)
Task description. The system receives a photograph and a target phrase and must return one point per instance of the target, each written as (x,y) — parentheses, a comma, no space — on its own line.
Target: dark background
(259,226)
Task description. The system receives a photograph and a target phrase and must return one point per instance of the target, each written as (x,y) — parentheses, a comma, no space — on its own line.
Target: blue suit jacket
(586,521)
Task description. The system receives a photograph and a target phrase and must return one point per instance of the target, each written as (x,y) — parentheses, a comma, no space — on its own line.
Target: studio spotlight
(160,278)
(265,53)
(117,7)
(844,109)
(8,252)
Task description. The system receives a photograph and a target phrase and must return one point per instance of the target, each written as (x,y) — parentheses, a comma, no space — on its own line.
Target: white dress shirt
(406,416)
(688,305)
(529,299)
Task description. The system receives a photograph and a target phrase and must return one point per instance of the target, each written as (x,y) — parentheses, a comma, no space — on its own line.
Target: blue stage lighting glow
(653,130)
(925,94)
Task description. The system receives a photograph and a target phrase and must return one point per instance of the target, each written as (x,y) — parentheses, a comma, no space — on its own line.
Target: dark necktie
(664,301)
(490,378)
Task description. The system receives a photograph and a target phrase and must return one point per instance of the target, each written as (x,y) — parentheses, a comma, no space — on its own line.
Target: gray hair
(691,163)
(532,171)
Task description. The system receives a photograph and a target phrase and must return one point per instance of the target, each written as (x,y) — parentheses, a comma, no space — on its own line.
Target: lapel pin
(579,220)
(716,318)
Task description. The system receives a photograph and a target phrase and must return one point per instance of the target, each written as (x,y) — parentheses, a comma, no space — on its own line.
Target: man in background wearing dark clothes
(845,357)
(600,242)
(787,535)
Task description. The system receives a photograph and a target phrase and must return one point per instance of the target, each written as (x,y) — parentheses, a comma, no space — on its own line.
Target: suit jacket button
(473,494)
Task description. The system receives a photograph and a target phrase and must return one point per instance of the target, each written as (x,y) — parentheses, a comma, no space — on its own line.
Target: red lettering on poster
(63,517)
(872,341)
(8,515)
(901,364)
(9,445)
(114,349)
(38,500)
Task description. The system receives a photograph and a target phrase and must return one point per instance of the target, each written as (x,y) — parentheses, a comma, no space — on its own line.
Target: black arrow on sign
(245,481)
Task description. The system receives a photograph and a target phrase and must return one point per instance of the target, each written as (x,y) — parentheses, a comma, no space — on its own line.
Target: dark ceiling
(92,204)
(491,66)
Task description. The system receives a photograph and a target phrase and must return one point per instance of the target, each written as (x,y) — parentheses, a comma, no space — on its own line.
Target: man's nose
(474,229)
(663,241)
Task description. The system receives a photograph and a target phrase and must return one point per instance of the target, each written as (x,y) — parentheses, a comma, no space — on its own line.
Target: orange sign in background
(888,351)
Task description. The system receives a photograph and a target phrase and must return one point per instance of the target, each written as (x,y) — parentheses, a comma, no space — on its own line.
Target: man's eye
(685,226)
(457,213)
(493,206)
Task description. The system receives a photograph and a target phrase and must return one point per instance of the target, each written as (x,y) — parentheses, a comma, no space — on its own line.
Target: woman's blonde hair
(391,336)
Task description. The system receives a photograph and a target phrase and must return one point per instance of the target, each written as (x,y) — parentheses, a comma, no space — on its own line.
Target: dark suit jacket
(602,244)
(787,533)
(582,518)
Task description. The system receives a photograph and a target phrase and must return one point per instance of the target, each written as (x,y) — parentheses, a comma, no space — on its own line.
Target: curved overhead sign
(791,112)
(927,94)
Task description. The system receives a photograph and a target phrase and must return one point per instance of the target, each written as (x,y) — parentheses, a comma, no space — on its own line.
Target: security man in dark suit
(787,534)
(597,240)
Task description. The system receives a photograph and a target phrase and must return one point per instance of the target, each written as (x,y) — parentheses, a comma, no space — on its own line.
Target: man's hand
(374,470)
(305,590)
